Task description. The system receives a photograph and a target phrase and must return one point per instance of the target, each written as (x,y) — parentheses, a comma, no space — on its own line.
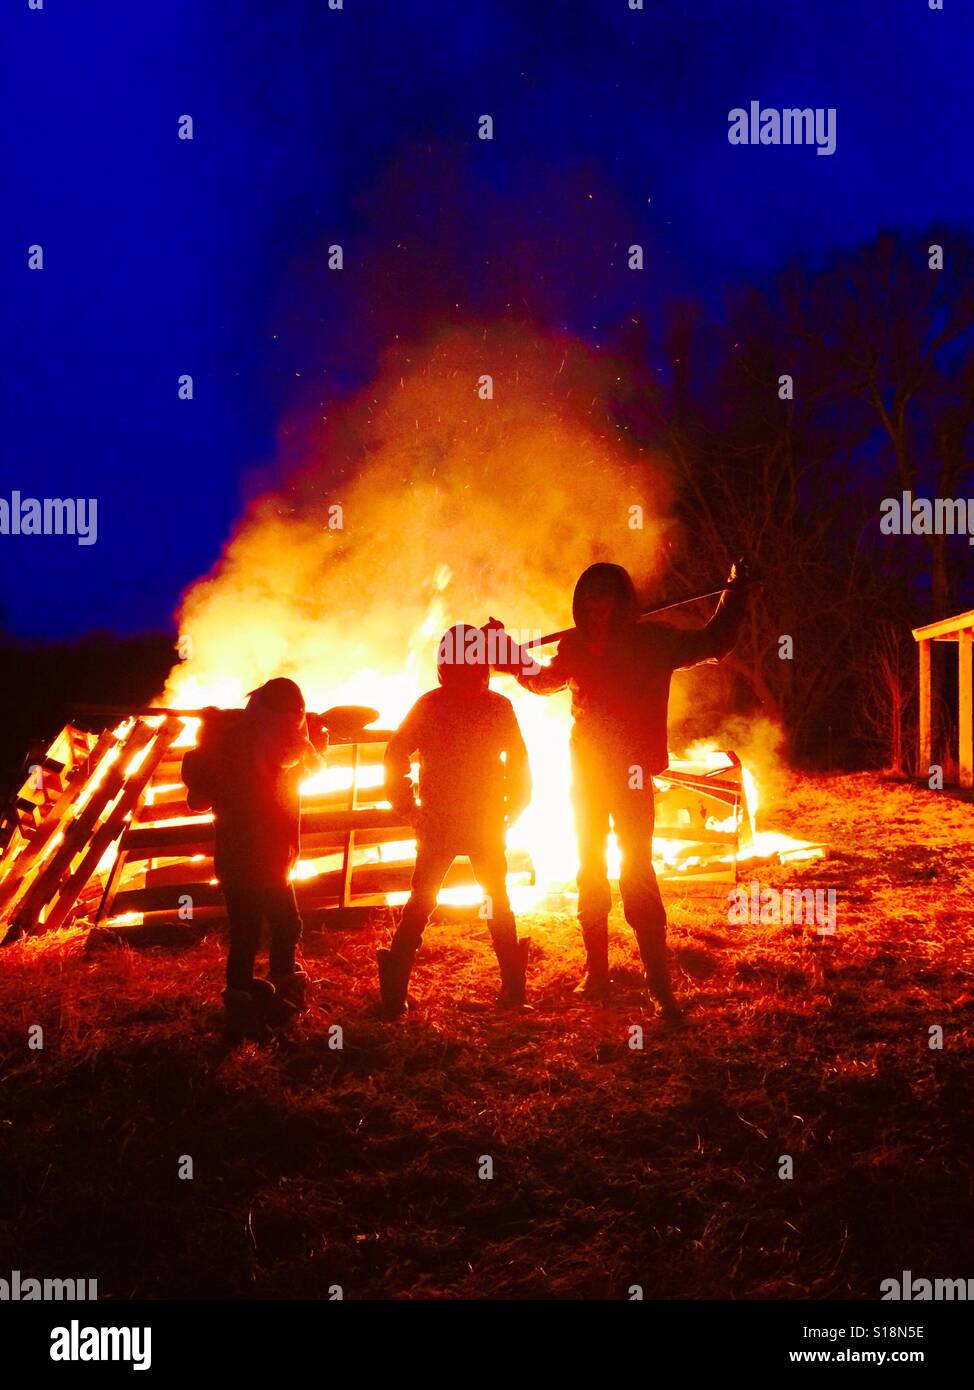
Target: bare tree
(886,678)
(787,426)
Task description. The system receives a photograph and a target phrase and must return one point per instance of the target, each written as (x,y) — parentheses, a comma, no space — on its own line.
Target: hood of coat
(275,714)
(607,587)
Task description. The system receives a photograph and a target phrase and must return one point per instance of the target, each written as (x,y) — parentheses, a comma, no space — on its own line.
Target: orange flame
(462,503)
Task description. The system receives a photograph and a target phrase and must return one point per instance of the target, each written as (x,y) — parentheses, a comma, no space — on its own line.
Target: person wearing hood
(474,782)
(619,671)
(247,768)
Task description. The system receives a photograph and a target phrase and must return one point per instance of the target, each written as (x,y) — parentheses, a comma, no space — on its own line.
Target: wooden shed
(959,629)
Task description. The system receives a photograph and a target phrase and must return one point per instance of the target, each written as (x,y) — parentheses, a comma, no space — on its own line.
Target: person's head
(604,600)
(275,713)
(279,696)
(462,664)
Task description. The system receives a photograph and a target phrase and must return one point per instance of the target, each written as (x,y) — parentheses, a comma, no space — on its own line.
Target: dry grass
(612,1167)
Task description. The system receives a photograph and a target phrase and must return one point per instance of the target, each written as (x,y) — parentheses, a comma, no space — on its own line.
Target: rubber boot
(246,1011)
(394,971)
(291,995)
(595,983)
(512,957)
(652,951)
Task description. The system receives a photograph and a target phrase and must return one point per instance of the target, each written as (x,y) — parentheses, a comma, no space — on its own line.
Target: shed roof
(946,629)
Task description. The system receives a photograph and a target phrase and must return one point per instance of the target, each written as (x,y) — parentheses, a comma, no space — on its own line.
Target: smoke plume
(432,497)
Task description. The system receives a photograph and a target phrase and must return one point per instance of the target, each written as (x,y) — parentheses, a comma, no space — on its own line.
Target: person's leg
(284,926)
(432,862)
(245,999)
(395,964)
(490,869)
(591,810)
(633,813)
(244,916)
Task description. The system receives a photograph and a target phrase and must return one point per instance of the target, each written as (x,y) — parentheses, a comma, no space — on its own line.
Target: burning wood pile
(63,831)
(100,831)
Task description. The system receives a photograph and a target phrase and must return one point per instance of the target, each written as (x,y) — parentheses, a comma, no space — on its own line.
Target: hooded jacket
(467,790)
(248,768)
(621,687)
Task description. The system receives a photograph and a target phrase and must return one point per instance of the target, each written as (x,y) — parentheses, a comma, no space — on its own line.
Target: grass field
(315,1166)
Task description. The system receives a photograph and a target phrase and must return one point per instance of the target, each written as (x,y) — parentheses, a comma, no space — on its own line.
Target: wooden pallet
(348,834)
(105,834)
(45,875)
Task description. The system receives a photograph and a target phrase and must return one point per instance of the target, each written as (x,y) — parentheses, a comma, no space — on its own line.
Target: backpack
(203,767)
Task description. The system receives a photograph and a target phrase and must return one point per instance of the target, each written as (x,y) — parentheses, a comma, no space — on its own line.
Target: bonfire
(102,833)
(346,590)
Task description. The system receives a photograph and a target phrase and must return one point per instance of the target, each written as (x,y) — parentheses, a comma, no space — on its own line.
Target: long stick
(643,613)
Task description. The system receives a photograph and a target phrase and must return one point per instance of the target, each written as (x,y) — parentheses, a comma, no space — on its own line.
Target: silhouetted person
(248,767)
(468,795)
(619,674)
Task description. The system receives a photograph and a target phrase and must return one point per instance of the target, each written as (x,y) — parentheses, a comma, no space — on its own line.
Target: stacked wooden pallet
(106,834)
(100,830)
(72,811)
(355,850)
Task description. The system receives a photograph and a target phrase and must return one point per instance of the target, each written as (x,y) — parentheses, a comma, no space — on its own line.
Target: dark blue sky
(359,126)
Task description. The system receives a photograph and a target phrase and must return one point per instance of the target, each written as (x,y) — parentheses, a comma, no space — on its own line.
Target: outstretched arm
(545,680)
(507,658)
(713,642)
